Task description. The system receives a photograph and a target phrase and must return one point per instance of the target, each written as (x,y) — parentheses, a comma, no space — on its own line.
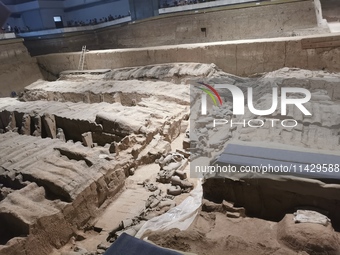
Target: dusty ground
(71,149)
(15,61)
(119,127)
(125,205)
(216,233)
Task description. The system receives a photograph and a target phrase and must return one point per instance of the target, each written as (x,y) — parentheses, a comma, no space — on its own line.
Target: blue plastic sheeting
(129,245)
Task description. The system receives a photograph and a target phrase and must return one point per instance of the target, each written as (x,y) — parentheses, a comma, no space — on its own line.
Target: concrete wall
(242,58)
(269,19)
(229,24)
(17,68)
(273,199)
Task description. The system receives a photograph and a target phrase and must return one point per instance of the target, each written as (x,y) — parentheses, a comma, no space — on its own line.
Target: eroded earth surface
(94,154)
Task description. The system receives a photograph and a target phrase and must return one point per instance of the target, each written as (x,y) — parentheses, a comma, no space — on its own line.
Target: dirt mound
(312,238)
(215,234)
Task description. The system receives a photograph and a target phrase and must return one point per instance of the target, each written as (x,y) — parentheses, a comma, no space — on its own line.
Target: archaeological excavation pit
(157,137)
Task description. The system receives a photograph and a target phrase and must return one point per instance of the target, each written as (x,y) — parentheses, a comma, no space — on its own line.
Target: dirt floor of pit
(125,205)
(216,232)
(143,113)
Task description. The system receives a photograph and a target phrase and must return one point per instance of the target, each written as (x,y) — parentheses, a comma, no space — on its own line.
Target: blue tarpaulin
(129,245)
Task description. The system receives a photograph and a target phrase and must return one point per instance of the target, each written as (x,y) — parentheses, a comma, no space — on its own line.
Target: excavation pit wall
(15,61)
(69,205)
(264,19)
(272,199)
(73,128)
(242,58)
(104,130)
(131,146)
(29,244)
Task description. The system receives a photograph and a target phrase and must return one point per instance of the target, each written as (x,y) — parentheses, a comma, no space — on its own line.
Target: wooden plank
(321,45)
(321,39)
(320,42)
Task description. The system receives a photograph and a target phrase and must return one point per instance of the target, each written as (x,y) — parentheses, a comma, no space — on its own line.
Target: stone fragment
(176,180)
(164,160)
(184,126)
(181,174)
(229,207)
(80,250)
(26,124)
(132,171)
(129,231)
(234,215)
(87,139)
(186,143)
(209,206)
(50,125)
(172,166)
(61,135)
(308,216)
(150,186)
(167,202)
(102,246)
(165,176)
(114,148)
(171,130)
(37,126)
(174,190)
(183,152)
(153,201)
(127,223)
(12,125)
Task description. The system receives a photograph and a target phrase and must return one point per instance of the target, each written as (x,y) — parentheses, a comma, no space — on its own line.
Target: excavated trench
(69,144)
(65,152)
(11,227)
(37,125)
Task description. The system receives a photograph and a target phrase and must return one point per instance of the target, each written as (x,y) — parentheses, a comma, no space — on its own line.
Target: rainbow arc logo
(211,91)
